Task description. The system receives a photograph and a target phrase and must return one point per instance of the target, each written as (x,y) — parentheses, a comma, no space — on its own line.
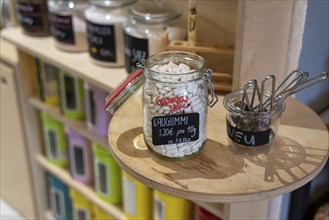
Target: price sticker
(175,129)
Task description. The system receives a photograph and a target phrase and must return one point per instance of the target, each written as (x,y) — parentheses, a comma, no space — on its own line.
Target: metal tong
(296,81)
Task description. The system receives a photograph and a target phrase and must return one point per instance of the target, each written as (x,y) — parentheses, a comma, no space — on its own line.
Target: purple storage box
(80,157)
(97,118)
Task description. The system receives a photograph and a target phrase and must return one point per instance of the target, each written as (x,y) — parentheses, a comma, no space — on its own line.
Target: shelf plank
(200,47)
(84,190)
(79,126)
(78,64)
(216,174)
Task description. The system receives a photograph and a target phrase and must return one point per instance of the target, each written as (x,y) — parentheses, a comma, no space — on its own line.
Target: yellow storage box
(81,207)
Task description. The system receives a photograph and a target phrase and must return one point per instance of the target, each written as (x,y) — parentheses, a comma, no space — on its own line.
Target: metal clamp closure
(212,98)
(141,64)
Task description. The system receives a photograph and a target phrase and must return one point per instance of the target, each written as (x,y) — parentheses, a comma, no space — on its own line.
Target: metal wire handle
(296,81)
(207,81)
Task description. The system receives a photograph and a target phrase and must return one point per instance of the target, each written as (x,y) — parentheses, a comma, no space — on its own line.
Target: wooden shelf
(84,190)
(79,126)
(78,64)
(216,174)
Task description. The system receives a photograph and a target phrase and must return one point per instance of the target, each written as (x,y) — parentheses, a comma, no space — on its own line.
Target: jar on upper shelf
(68,26)
(33,17)
(105,20)
(146,33)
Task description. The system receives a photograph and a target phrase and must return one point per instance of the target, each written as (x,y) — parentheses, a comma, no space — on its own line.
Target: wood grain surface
(216,174)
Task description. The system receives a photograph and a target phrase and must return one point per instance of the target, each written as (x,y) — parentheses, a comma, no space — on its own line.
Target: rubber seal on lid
(124,91)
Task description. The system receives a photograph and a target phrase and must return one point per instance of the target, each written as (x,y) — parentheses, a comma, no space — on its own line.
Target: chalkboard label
(175,129)
(62,28)
(136,49)
(30,16)
(248,138)
(101,39)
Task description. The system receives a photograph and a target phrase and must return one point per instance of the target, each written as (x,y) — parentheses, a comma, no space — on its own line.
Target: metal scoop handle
(303,85)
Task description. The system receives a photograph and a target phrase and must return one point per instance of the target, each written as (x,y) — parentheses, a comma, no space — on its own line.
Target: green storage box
(54,140)
(107,174)
(71,96)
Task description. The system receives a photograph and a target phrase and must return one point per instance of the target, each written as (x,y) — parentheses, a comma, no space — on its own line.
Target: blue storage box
(60,200)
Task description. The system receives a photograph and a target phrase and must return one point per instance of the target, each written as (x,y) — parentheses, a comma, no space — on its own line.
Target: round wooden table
(216,174)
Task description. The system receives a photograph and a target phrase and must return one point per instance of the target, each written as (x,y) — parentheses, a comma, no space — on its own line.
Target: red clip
(115,92)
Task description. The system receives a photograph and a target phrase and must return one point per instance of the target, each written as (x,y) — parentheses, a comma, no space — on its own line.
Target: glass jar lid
(112,3)
(118,96)
(154,12)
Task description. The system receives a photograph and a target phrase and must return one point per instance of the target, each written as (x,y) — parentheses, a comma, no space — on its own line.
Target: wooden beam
(268,39)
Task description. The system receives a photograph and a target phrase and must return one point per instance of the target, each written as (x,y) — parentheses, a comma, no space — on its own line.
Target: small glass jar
(68,24)
(175,101)
(33,17)
(146,32)
(105,20)
(250,133)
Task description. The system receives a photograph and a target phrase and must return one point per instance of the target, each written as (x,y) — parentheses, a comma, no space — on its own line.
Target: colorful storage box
(137,198)
(54,140)
(203,214)
(80,157)
(71,96)
(49,76)
(38,79)
(107,175)
(82,208)
(170,207)
(99,214)
(59,199)
(97,118)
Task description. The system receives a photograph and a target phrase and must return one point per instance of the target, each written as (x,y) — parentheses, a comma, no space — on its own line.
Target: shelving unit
(87,192)
(79,126)
(77,64)
(283,21)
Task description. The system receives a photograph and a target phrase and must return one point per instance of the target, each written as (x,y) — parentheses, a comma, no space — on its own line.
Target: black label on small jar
(101,39)
(30,16)
(175,129)
(248,138)
(62,28)
(136,49)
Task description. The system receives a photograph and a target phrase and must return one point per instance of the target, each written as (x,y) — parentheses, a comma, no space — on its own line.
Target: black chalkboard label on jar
(101,39)
(62,28)
(175,129)
(136,49)
(248,138)
(30,16)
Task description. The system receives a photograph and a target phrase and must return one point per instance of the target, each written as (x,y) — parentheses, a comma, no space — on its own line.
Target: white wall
(315,54)
(315,58)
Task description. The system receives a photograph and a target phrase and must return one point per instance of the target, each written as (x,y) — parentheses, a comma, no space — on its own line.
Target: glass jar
(249,132)
(105,20)
(33,17)
(175,103)
(68,24)
(175,100)
(146,32)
